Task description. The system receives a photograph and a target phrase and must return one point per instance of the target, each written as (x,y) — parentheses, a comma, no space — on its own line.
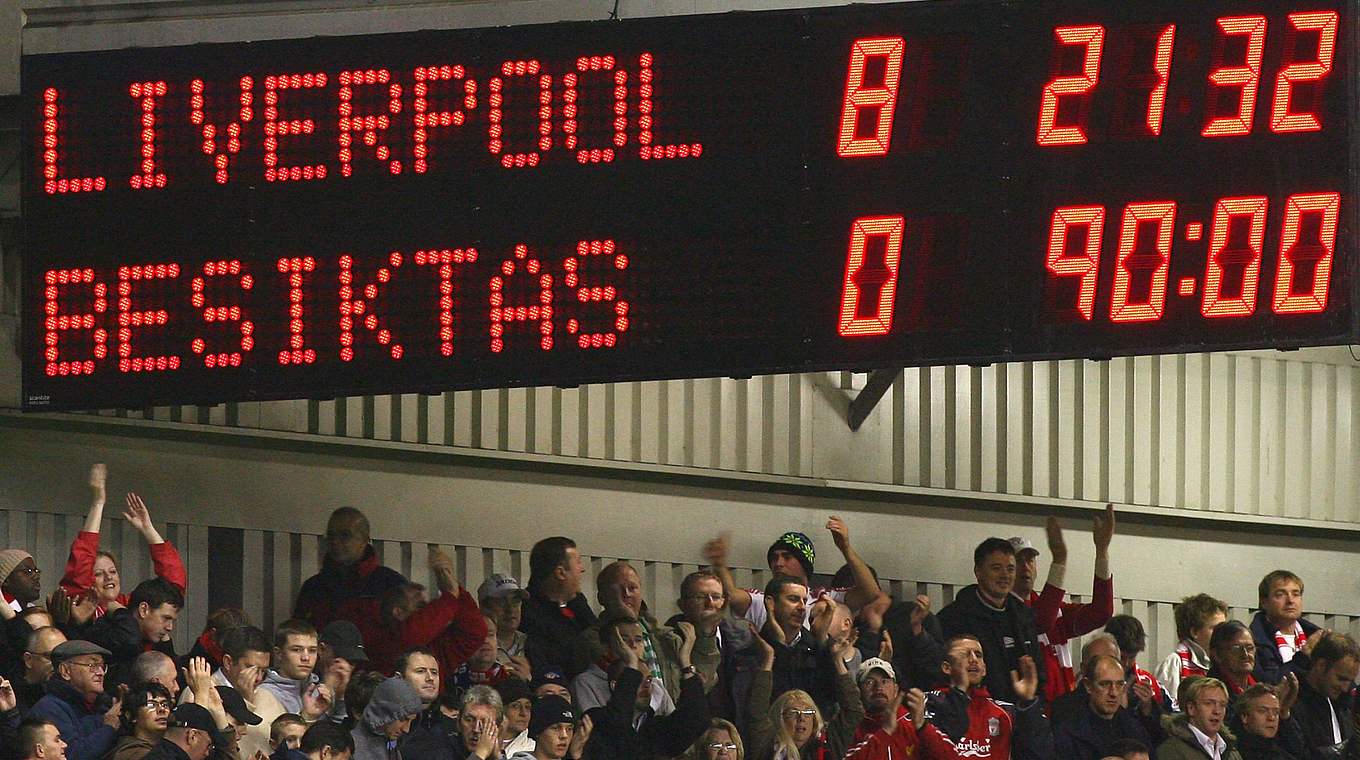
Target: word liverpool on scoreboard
(724,195)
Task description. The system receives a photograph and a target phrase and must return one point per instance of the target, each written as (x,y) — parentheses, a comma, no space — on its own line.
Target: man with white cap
(1056,620)
(502,599)
(890,729)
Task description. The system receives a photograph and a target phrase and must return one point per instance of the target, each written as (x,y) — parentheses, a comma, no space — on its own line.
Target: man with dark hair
(1128,749)
(1326,695)
(192,733)
(1000,621)
(352,580)
(1265,727)
(290,679)
(433,734)
(1092,733)
(40,740)
(1196,617)
(973,722)
(1059,621)
(793,554)
(245,662)
(87,718)
(451,624)
(146,624)
(327,741)
(556,611)
(1129,634)
(1283,636)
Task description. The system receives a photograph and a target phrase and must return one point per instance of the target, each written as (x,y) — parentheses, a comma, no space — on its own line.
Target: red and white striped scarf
(1286,651)
(1188,666)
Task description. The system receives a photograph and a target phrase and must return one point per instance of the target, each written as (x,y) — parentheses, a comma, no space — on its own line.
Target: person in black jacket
(1283,637)
(1092,733)
(1264,726)
(1326,696)
(144,625)
(911,630)
(627,729)
(989,611)
(556,611)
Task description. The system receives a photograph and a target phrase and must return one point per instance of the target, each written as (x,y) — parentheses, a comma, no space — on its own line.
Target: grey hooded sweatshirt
(394,699)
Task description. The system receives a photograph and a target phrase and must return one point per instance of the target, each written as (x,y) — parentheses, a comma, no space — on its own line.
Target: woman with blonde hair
(720,741)
(792,728)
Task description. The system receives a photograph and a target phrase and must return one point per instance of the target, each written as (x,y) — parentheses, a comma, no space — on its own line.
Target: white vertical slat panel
(653,440)
(915,442)
(1220,446)
(782,422)
(967,446)
(1043,442)
(1146,425)
(1196,432)
(1346,500)
(1093,432)
(595,420)
(1170,457)
(1070,426)
(991,428)
(545,421)
(676,401)
(1010,463)
(1119,459)
(515,414)
(378,410)
(467,412)
(414,409)
(1270,480)
(1298,438)
(941,429)
(1323,429)
(1246,439)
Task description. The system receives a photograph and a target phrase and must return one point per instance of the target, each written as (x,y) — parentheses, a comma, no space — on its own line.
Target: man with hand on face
(87,718)
(1001,623)
(976,725)
(450,625)
(245,661)
(1107,719)
(628,726)
(1284,638)
(890,728)
(593,688)
(1200,732)
(502,600)
(703,604)
(1326,699)
(145,625)
(1056,620)
(803,656)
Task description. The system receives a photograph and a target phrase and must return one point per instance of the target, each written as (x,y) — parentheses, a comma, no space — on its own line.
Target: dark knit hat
(797,543)
(549,710)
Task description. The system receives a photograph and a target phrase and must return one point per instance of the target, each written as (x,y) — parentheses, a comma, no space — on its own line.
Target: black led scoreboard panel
(726,195)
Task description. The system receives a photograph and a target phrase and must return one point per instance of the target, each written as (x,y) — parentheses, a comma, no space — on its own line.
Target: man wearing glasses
(37,666)
(76,704)
(1106,721)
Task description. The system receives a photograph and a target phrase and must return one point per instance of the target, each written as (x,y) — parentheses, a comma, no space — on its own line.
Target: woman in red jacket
(90,570)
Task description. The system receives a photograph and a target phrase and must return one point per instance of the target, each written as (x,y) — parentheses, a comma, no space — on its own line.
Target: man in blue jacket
(1284,638)
(75,702)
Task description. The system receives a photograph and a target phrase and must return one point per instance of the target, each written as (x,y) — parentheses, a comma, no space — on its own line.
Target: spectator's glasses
(715,598)
(719,747)
(157,705)
(794,713)
(1107,685)
(95,667)
(1273,712)
(28,570)
(1242,649)
(45,655)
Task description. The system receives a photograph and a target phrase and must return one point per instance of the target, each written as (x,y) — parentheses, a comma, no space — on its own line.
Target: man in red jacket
(976,725)
(1059,621)
(451,625)
(890,730)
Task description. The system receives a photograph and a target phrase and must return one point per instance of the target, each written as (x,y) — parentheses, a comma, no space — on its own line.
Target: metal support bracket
(880,380)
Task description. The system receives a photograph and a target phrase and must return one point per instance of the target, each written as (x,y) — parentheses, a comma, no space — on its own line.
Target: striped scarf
(1188,666)
(1287,652)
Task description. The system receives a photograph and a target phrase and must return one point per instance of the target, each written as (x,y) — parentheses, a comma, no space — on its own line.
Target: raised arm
(78,576)
(865,589)
(715,551)
(168,564)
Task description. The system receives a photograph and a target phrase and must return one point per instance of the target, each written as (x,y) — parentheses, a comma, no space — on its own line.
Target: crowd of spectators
(372,666)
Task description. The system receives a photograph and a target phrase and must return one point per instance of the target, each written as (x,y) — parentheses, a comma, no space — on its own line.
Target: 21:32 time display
(840,188)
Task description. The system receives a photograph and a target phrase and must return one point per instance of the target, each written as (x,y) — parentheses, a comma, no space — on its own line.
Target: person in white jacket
(1196,617)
